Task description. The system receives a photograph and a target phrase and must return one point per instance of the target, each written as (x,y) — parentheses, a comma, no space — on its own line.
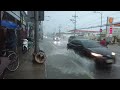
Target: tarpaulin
(9,24)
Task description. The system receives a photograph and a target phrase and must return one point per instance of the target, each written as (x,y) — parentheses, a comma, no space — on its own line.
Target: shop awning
(9,24)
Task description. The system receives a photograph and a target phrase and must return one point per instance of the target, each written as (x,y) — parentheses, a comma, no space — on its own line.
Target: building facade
(19,18)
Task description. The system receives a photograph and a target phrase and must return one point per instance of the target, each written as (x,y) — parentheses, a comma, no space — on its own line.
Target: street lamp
(101,22)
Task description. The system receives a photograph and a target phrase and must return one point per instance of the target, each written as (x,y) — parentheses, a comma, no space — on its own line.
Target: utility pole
(36,50)
(106,26)
(0,18)
(101,25)
(59,30)
(101,22)
(74,21)
(41,30)
(38,55)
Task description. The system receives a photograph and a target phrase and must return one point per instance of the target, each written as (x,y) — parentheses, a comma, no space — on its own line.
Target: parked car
(92,49)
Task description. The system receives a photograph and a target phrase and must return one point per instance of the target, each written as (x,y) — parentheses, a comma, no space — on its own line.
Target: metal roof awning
(14,14)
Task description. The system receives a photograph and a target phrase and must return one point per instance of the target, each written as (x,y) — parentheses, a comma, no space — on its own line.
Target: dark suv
(71,38)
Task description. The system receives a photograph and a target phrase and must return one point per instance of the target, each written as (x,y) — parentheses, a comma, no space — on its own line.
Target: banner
(110,28)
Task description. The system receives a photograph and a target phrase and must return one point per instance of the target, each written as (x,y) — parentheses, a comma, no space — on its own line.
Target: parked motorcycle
(25,46)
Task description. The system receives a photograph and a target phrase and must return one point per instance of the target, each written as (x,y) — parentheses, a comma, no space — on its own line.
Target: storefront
(8,24)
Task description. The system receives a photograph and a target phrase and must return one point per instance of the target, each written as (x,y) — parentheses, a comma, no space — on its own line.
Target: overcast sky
(84,19)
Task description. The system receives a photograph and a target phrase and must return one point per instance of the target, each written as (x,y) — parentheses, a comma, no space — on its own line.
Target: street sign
(110,30)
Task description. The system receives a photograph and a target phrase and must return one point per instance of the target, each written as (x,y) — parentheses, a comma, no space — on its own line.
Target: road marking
(53,45)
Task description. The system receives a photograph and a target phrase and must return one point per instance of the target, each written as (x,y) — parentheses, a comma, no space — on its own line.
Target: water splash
(86,63)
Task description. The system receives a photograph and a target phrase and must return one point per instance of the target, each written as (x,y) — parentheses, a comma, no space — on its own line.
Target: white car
(56,38)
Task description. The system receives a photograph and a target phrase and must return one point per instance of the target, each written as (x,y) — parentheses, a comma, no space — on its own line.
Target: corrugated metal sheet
(15,14)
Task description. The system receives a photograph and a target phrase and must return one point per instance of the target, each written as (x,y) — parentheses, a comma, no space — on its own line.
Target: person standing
(103,42)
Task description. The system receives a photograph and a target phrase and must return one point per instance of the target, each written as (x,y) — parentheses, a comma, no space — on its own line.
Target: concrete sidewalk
(27,69)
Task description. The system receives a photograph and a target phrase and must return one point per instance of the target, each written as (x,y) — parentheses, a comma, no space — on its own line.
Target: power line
(74,21)
(104,18)
(99,26)
(98,21)
(92,22)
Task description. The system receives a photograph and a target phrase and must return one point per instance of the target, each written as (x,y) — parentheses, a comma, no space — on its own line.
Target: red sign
(110,30)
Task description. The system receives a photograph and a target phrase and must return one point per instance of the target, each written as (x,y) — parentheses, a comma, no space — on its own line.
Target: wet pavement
(27,69)
(61,63)
(64,64)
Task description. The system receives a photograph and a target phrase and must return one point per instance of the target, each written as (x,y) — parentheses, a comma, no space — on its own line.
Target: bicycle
(14,61)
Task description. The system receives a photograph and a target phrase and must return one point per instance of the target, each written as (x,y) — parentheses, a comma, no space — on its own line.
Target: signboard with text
(110,30)
(110,20)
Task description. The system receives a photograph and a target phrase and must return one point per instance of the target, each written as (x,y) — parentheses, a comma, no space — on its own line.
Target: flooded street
(62,63)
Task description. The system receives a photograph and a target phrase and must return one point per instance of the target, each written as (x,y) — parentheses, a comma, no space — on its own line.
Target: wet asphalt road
(61,63)
(65,64)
